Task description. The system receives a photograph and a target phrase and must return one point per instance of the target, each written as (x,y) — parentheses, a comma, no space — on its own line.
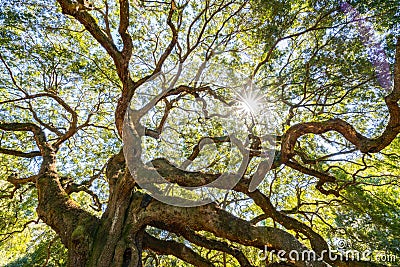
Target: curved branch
(129,84)
(123,31)
(38,134)
(169,247)
(323,177)
(79,12)
(74,123)
(13,179)
(21,154)
(191,179)
(76,188)
(317,242)
(222,224)
(199,240)
(8,235)
(362,143)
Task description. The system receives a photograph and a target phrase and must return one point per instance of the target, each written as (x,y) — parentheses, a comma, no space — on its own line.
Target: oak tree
(119,118)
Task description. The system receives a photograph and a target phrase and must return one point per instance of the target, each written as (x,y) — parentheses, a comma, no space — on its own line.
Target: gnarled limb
(192,179)
(211,244)
(38,134)
(21,154)
(74,225)
(212,219)
(179,250)
(362,143)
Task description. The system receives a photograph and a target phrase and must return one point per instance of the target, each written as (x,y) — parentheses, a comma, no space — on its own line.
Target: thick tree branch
(192,179)
(317,242)
(21,154)
(79,12)
(169,247)
(129,85)
(199,240)
(13,179)
(38,134)
(123,31)
(74,225)
(222,224)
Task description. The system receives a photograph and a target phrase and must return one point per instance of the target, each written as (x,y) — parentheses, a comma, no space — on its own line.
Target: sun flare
(249,103)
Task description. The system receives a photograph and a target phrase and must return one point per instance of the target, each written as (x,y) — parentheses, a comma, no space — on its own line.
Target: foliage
(306,57)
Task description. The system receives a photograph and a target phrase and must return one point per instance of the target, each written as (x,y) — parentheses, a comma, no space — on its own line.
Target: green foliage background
(48,51)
